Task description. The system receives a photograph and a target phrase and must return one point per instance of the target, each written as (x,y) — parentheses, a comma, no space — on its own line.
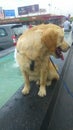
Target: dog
(34,47)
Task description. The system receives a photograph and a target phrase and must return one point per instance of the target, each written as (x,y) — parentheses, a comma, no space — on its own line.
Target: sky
(52,6)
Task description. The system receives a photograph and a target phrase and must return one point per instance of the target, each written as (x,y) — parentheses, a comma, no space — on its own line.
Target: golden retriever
(34,47)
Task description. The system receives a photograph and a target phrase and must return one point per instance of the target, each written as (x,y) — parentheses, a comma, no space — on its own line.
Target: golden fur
(37,44)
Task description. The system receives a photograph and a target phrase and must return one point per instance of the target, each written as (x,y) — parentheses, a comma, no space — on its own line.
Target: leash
(64,83)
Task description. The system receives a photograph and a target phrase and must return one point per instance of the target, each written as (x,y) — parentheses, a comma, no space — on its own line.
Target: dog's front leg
(43,79)
(26,88)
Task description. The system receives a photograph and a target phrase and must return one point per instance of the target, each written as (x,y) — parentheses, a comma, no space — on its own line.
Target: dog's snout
(65,46)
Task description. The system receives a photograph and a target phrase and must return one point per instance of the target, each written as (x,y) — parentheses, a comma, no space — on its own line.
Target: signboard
(33,8)
(22,10)
(9,13)
(28,9)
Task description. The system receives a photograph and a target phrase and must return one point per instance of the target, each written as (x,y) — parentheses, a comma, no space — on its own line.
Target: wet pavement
(11,78)
(62,117)
(27,112)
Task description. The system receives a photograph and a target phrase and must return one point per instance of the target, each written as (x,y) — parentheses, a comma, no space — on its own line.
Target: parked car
(9,34)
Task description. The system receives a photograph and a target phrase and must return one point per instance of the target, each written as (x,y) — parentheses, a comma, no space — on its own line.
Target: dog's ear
(49,38)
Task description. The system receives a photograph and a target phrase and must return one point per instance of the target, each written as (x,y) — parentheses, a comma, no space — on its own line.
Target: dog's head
(53,38)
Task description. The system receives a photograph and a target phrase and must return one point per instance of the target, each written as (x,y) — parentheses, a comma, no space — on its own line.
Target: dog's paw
(25,90)
(42,92)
